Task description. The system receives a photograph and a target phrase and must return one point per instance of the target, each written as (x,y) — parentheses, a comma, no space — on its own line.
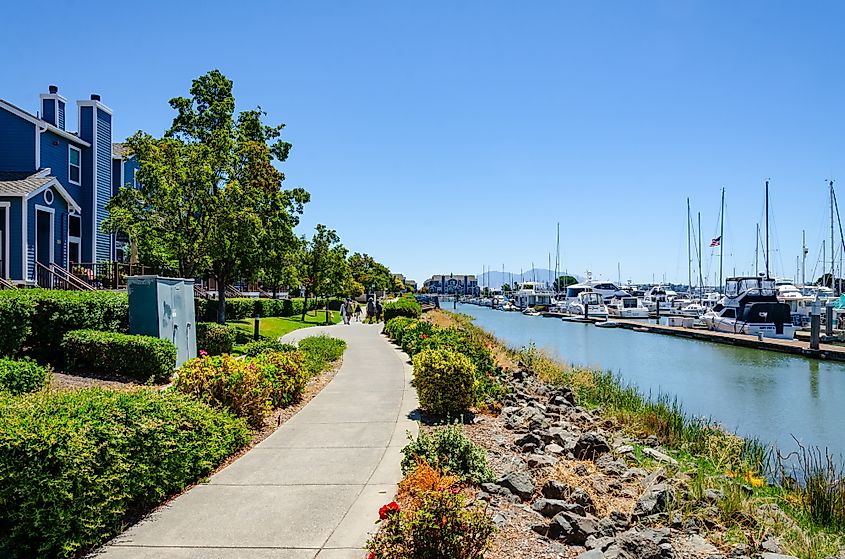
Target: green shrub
(222,381)
(402,307)
(16,318)
(415,334)
(286,373)
(394,327)
(19,376)
(447,449)
(54,313)
(215,339)
(140,357)
(321,352)
(239,308)
(253,349)
(74,464)
(445,381)
(440,524)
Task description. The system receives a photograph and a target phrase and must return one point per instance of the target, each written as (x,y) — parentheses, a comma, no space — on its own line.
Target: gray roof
(16,183)
(119,150)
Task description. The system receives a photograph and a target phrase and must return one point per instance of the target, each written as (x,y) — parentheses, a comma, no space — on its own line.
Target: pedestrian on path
(343,315)
(348,310)
(357,312)
(371,310)
(379,310)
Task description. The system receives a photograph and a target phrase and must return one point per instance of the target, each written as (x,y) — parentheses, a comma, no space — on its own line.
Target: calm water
(771,395)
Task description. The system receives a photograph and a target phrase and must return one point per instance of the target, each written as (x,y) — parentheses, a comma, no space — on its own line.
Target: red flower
(203,353)
(423,337)
(371,555)
(388,509)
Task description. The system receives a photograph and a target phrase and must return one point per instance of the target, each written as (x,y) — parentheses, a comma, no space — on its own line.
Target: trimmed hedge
(140,357)
(239,308)
(445,381)
(215,339)
(74,464)
(16,320)
(52,313)
(249,388)
(404,306)
(18,376)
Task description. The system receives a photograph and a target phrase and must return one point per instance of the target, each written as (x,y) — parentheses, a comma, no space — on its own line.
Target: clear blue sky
(444,136)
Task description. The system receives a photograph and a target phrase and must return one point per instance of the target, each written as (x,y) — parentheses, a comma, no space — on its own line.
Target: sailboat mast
(803,257)
(722,239)
(767,229)
(557,259)
(689,249)
(757,253)
(832,242)
(700,273)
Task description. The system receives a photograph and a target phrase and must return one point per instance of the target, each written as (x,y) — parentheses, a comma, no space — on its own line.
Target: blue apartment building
(55,184)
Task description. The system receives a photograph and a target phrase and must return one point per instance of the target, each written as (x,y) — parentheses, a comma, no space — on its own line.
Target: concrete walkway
(311,489)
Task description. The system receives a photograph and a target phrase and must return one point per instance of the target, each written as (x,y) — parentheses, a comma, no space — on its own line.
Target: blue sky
(447,136)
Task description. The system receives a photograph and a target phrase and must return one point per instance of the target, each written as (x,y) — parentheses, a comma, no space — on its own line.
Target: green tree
(506,288)
(325,270)
(366,271)
(563,281)
(211,197)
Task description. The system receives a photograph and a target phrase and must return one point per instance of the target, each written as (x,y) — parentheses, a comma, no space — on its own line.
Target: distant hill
(496,279)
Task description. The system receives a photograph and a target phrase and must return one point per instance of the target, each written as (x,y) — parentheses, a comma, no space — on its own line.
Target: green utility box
(164,307)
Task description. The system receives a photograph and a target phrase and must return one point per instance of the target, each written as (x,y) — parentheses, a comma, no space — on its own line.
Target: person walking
(371,310)
(348,310)
(343,315)
(357,312)
(379,310)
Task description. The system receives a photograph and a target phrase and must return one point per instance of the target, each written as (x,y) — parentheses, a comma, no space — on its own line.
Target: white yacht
(626,307)
(590,301)
(657,298)
(750,306)
(800,305)
(608,289)
(532,294)
(693,309)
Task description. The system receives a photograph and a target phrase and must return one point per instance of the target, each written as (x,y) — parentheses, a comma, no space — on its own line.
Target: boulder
(518,483)
(541,461)
(572,529)
(554,489)
(552,507)
(582,498)
(768,555)
(653,500)
(591,554)
(529,439)
(646,543)
(554,449)
(591,445)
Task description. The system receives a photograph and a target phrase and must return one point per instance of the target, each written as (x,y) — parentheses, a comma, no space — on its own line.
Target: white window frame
(74,239)
(52,212)
(7,241)
(69,164)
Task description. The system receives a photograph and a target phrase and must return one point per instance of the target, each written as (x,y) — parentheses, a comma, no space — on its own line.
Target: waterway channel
(773,396)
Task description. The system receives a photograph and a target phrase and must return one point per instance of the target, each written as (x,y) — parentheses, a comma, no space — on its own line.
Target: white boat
(507,306)
(627,307)
(656,298)
(800,305)
(586,304)
(608,289)
(693,309)
(532,294)
(531,311)
(750,306)
(608,324)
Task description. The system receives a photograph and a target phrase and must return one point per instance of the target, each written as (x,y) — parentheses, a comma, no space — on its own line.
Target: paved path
(311,489)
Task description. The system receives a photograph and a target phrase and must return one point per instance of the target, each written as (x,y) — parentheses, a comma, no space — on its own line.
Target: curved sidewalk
(312,488)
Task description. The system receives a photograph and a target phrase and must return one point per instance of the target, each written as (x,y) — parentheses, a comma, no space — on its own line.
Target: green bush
(239,308)
(321,352)
(74,464)
(415,334)
(215,339)
(445,381)
(286,373)
(19,376)
(224,382)
(450,451)
(440,524)
(402,307)
(253,349)
(140,357)
(394,327)
(54,313)
(16,318)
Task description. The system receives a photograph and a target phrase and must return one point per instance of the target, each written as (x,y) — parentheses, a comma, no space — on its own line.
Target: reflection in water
(754,392)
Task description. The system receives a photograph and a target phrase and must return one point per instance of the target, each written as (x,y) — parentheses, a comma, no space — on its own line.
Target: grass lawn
(274,327)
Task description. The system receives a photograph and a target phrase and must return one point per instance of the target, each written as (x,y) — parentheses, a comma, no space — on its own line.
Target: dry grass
(423,479)
(596,484)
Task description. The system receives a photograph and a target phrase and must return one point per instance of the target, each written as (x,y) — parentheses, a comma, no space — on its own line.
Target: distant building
(451,284)
(411,285)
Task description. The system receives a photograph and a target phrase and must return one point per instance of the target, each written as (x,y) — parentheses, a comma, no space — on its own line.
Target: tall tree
(325,271)
(215,172)
(369,273)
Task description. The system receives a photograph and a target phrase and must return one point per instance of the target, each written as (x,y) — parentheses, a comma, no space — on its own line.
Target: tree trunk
(327,312)
(305,306)
(221,299)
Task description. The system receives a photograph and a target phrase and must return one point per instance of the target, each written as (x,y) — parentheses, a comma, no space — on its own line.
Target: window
(74,241)
(74,162)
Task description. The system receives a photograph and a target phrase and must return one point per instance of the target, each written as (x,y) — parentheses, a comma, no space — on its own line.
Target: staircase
(56,277)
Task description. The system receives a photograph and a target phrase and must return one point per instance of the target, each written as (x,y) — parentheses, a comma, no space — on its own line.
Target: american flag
(716,242)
